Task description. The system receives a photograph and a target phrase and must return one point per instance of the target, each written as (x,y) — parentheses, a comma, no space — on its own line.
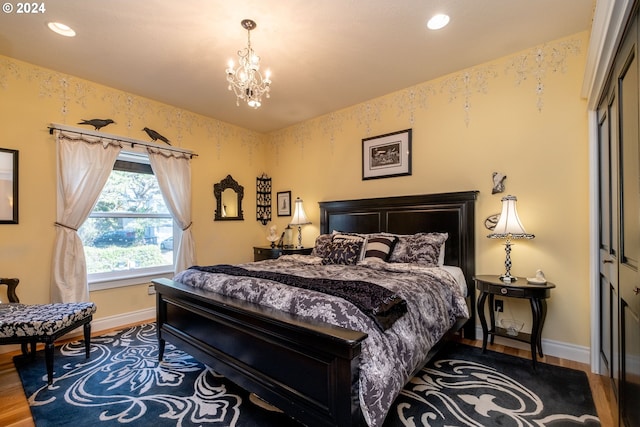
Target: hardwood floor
(14,409)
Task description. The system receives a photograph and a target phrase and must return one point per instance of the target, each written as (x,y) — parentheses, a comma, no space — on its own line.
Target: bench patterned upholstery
(22,320)
(32,323)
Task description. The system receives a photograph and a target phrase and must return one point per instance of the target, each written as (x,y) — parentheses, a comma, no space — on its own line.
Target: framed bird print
(8,186)
(387,155)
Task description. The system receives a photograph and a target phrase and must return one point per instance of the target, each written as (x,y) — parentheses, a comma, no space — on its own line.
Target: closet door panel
(629,257)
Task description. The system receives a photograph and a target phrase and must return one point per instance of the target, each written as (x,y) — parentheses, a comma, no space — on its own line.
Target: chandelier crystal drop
(245,80)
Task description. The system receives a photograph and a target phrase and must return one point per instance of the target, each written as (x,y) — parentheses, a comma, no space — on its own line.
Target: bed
(310,369)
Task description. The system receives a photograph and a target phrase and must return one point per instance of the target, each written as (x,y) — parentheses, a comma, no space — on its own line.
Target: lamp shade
(509,225)
(299,216)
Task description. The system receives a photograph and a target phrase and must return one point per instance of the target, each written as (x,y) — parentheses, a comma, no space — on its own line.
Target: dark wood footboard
(308,369)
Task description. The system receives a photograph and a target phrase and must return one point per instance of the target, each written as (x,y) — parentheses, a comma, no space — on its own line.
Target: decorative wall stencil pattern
(65,88)
(134,107)
(409,100)
(534,65)
(538,61)
(301,133)
(463,85)
(126,109)
(177,119)
(274,141)
(368,113)
(7,68)
(218,132)
(250,140)
(330,125)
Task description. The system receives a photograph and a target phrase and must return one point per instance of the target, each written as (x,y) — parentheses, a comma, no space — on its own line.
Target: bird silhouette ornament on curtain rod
(96,123)
(155,135)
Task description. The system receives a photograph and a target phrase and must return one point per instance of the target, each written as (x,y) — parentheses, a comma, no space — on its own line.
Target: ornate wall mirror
(228,194)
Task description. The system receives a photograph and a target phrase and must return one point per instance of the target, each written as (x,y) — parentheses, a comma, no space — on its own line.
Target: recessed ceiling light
(438,21)
(63,30)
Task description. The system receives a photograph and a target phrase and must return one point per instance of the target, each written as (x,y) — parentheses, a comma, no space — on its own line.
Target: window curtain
(84,165)
(173,172)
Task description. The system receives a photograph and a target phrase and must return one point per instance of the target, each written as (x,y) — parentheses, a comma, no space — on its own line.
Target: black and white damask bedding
(434,299)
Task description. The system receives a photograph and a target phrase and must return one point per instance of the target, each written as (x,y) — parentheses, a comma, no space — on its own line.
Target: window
(130,232)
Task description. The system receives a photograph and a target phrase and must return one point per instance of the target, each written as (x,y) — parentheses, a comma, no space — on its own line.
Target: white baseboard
(559,349)
(112,322)
(103,324)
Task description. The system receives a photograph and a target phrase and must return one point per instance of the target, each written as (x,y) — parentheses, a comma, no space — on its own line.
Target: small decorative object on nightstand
(272,236)
(287,238)
(261,253)
(491,285)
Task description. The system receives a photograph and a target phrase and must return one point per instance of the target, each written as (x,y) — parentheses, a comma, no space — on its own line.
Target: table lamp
(509,227)
(299,219)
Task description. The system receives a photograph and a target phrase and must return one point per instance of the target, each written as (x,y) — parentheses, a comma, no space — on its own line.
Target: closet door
(608,239)
(629,257)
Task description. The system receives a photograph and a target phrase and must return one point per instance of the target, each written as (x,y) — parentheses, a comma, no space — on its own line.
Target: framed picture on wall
(284,203)
(8,186)
(387,155)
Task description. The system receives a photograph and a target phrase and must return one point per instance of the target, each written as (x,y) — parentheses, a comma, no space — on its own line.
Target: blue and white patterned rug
(123,383)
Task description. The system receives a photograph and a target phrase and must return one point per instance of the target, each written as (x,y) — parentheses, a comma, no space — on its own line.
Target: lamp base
(508,278)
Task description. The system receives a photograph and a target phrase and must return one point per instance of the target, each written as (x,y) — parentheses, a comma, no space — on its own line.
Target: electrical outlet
(498,306)
(151,290)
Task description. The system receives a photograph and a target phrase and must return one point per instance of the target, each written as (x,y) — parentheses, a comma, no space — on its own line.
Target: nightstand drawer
(260,254)
(510,292)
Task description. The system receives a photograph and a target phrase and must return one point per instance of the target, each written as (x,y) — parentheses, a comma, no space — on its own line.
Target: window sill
(128,280)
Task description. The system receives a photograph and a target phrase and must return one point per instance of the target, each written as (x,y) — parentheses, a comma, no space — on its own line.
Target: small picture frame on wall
(284,203)
(388,155)
(8,186)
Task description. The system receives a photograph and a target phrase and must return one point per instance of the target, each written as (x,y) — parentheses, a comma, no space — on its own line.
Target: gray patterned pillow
(346,252)
(322,246)
(352,237)
(420,248)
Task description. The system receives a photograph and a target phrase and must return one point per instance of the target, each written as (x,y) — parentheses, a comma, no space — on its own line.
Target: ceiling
(324,55)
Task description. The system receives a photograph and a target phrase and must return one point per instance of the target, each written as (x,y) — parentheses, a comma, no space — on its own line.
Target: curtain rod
(54,126)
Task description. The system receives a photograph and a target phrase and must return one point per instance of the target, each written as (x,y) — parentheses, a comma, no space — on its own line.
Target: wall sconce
(299,219)
(509,227)
(263,199)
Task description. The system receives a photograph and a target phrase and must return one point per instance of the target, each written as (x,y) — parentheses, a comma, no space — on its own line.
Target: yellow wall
(539,141)
(465,126)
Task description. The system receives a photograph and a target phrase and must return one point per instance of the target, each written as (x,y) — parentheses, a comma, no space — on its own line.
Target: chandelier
(245,80)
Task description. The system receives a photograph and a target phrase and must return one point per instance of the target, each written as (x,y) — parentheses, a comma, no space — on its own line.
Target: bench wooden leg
(48,358)
(24,347)
(87,339)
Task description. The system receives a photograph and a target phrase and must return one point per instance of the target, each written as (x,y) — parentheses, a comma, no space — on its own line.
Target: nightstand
(267,252)
(490,286)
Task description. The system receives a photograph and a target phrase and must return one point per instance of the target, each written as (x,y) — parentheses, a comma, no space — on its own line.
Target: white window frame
(116,279)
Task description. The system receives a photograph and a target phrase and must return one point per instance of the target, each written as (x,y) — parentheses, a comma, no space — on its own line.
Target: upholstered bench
(32,323)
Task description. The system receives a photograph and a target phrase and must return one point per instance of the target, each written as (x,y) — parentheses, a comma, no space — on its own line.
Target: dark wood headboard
(452,213)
